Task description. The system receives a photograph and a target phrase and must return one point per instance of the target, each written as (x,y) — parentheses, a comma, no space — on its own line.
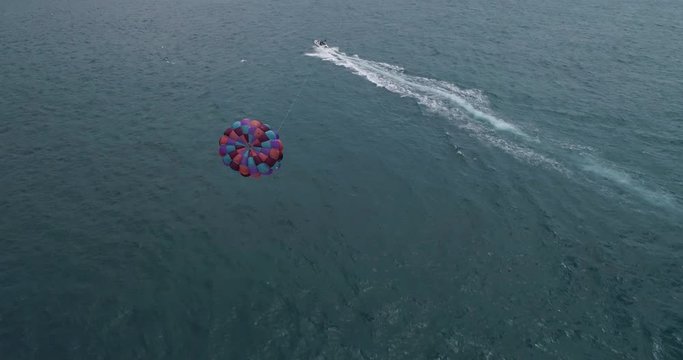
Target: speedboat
(320,43)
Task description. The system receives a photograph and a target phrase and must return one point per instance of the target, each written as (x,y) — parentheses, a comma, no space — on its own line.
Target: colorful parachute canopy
(251,147)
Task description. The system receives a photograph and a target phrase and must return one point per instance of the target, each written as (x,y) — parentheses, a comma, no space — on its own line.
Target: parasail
(251,147)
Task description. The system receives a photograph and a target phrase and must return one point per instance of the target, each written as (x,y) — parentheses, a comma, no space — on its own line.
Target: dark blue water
(462,180)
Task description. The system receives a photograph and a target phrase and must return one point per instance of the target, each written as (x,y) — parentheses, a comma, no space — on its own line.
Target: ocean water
(461,180)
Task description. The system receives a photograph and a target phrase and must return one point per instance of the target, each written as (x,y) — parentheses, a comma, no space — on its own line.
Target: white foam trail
(428,92)
(471,109)
(626,181)
(468,107)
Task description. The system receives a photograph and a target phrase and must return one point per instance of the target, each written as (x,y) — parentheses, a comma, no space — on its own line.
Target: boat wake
(469,109)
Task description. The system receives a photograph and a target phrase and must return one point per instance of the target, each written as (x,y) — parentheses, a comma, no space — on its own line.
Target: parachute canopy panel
(251,148)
